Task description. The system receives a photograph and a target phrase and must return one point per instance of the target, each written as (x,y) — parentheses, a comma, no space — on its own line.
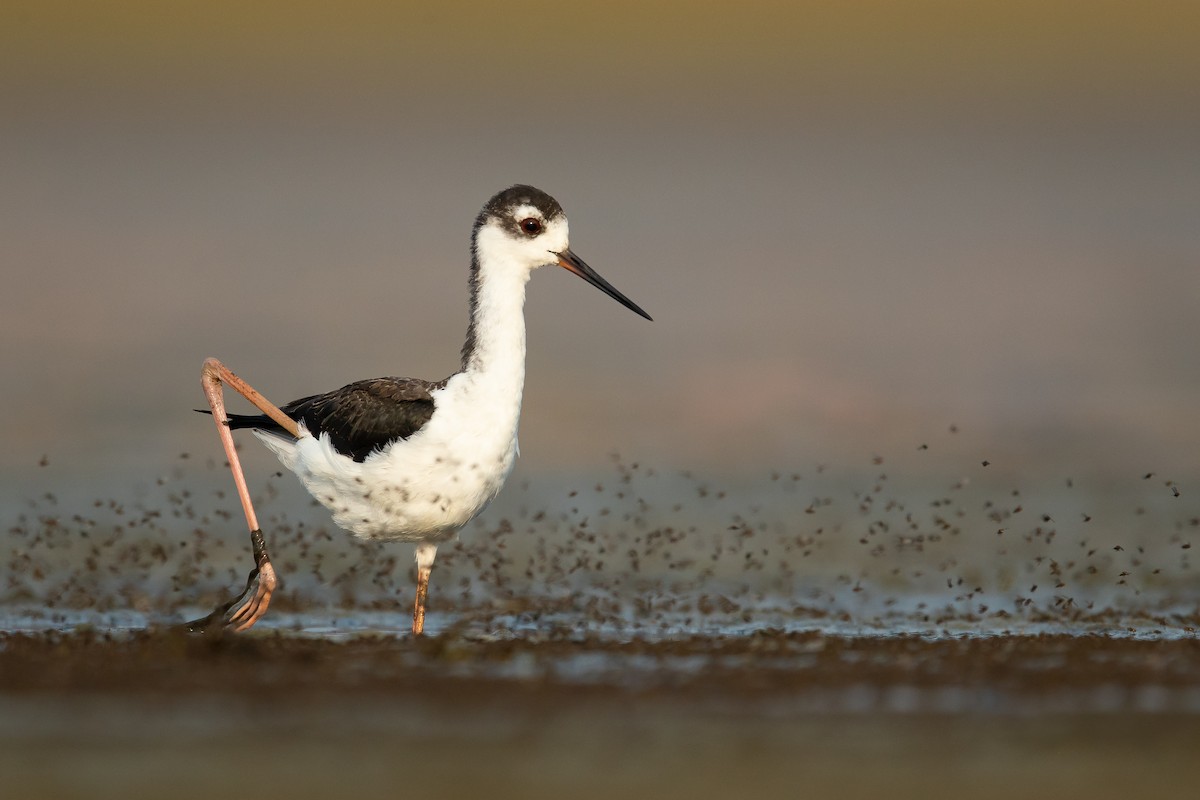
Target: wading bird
(403,459)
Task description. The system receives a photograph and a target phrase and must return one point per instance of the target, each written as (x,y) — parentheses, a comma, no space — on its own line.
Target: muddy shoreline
(124,714)
(759,666)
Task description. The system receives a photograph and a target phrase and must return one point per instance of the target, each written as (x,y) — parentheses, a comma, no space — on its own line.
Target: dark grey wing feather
(359,418)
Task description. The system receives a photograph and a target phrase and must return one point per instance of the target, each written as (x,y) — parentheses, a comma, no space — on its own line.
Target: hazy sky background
(854,223)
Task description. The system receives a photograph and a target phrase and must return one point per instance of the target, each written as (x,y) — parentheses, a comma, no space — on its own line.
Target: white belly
(423,488)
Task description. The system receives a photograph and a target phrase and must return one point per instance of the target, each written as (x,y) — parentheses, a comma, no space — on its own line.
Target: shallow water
(827,634)
(1173,624)
(642,550)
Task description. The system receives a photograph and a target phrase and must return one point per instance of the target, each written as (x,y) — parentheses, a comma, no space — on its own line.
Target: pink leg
(425,554)
(244,610)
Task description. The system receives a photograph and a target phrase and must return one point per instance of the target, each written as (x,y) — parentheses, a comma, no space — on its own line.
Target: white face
(525,238)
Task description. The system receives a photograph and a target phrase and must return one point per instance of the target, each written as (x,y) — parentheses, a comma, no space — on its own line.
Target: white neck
(495,345)
(497,323)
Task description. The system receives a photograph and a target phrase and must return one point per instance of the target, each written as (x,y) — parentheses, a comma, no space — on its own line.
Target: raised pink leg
(244,610)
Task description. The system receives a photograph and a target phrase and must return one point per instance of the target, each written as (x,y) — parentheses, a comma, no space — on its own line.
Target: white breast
(425,487)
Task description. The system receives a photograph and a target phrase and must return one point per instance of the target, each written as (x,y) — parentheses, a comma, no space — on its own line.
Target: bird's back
(360,418)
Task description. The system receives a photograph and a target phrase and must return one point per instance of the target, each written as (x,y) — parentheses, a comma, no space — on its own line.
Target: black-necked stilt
(402,459)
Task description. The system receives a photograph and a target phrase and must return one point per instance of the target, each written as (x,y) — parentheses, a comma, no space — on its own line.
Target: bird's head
(524,228)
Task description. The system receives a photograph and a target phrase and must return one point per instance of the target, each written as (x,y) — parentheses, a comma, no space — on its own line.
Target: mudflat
(93,713)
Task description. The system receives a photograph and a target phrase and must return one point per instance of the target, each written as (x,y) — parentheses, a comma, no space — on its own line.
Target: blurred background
(925,277)
(856,225)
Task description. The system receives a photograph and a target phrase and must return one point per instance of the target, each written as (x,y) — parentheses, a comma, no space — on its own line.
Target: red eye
(531,226)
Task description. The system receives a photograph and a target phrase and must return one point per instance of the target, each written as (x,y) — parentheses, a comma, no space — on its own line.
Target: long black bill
(570,261)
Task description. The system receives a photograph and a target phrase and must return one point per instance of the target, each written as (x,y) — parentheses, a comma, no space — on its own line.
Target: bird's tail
(258,422)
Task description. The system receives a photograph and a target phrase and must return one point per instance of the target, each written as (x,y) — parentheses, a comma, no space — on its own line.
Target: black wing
(360,418)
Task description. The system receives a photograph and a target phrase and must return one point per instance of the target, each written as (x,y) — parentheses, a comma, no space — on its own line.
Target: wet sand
(771,714)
